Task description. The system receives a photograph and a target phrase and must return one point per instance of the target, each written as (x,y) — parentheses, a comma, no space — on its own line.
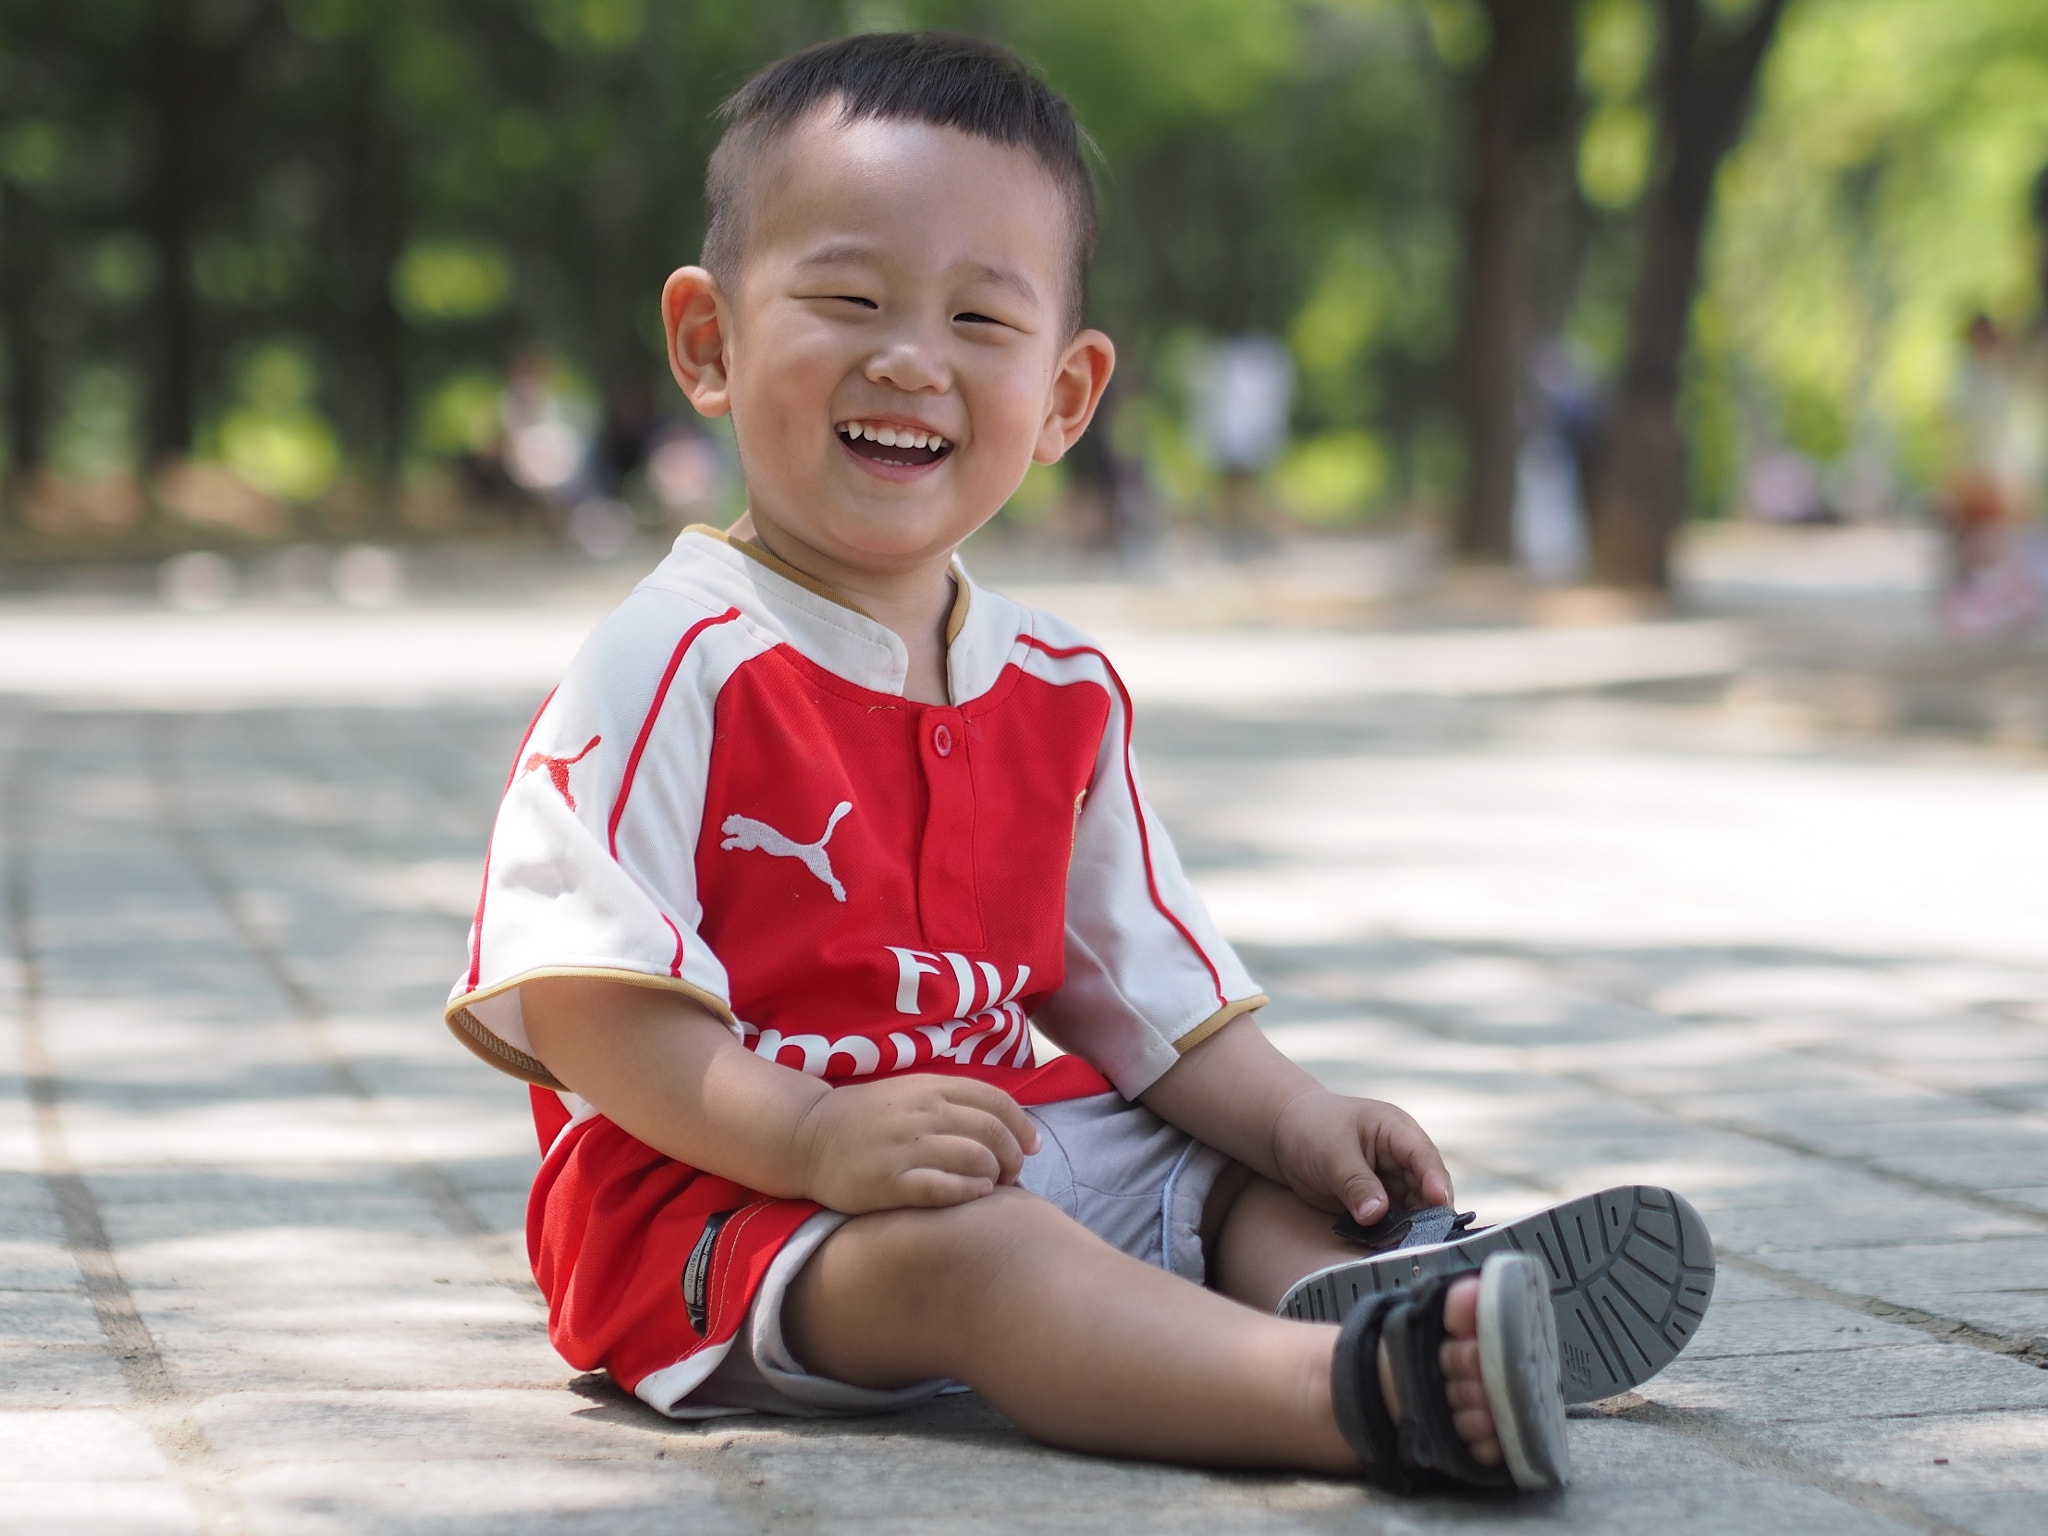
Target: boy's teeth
(892,437)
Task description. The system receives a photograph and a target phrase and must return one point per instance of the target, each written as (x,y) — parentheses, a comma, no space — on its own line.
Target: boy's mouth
(896,446)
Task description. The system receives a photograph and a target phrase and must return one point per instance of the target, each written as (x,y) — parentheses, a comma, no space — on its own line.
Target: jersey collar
(820,620)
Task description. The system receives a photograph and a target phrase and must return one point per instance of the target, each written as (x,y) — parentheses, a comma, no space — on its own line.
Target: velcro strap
(1404,1229)
(1362,1414)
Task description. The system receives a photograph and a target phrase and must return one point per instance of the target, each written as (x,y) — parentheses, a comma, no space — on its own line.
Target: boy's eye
(977,319)
(854,298)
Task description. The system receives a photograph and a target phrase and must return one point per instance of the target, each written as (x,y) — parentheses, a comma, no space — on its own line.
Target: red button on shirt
(942,741)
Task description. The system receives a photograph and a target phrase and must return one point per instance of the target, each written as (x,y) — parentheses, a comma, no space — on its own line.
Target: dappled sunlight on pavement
(261,1263)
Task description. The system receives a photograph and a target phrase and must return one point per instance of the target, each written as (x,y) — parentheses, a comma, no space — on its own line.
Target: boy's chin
(888,536)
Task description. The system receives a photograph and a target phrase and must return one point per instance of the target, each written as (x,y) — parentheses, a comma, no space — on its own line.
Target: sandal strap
(1428,1439)
(1361,1412)
(1405,1229)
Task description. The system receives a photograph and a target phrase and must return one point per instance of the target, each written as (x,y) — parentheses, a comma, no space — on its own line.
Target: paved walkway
(259,1257)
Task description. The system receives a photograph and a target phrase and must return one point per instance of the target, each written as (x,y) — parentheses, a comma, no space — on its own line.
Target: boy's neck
(914,603)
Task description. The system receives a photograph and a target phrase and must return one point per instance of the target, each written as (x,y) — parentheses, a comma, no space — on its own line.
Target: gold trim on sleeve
(469,1029)
(1216,1020)
(513,1062)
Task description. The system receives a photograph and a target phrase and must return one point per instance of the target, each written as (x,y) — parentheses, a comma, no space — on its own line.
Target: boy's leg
(1261,1238)
(1631,1271)
(1265,1238)
(1080,1345)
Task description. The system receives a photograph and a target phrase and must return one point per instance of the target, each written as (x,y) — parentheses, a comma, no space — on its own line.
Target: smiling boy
(815,829)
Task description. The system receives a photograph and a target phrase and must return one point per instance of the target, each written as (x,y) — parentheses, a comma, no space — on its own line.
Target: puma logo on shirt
(743,832)
(558,769)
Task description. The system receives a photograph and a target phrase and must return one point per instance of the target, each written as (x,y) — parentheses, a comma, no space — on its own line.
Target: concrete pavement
(260,1265)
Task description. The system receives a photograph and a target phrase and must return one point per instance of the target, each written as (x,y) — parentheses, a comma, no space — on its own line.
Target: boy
(813,828)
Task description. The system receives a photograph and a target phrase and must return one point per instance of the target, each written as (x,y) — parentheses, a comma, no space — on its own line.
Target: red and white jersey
(729,796)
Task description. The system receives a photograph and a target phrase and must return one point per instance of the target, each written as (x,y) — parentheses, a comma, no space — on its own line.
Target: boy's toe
(1475,1428)
(1461,1312)
(1467,1392)
(1459,1359)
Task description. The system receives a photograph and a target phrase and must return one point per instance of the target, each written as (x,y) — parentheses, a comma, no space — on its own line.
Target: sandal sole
(1518,1366)
(1631,1271)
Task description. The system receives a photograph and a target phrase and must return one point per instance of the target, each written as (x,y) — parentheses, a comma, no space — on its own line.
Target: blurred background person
(1551,471)
(1988,504)
(1242,390)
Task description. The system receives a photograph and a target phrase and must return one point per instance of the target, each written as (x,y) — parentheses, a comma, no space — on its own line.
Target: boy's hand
(919,1140)
(1357,1154)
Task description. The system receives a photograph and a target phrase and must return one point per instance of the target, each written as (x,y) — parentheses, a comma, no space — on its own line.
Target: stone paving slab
(260,1252)
(1980,1472)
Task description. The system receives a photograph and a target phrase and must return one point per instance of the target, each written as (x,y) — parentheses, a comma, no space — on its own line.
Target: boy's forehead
(827,187)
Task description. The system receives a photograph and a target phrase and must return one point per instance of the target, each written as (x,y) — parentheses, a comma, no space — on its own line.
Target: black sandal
(1631,1271)
(1518,1366)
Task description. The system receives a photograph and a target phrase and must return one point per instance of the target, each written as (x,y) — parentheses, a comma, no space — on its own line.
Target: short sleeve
(1148,976)
(591,866)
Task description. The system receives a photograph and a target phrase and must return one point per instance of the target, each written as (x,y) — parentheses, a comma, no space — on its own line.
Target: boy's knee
(928,1258)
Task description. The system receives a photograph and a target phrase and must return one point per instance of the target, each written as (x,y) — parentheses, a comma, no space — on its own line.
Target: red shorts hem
(645,1261)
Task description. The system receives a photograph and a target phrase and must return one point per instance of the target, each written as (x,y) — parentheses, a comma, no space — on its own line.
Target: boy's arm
(1236,1092)
(666,1071)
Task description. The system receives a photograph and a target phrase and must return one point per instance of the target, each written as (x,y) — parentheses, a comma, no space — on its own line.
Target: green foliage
(95,431)
(407,194)
(1333,478)
(123,269)
(1459,30)
(34,152)
(397,198)
(272,438)
(451,280)
(461,416)
(1617,41)
(1036,496)
(1880,201)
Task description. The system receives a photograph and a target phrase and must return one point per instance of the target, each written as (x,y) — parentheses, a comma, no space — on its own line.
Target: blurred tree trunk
(21,275)
(173,90)
(370,338)
(2040,211)
(1706,82)
(1524,107)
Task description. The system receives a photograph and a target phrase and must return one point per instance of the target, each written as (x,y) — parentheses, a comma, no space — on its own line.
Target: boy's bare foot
(1458,1357)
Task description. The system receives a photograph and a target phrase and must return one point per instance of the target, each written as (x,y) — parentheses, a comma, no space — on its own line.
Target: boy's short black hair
(942,78)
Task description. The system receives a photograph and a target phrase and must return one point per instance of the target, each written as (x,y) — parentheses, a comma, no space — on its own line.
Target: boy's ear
(1078,381)
(693,313)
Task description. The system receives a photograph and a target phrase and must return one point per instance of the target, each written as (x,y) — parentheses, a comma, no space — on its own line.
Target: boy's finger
(956,1151)
(1424,1165)
(1000,1139)
(930,1189)
(989,1131)
(992,1100)
(1353,1181)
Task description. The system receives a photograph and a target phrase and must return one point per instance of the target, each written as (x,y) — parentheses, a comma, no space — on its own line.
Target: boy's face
(898,279)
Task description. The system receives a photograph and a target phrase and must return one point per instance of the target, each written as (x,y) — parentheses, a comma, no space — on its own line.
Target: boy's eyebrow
(1004,277)
(838,254)
(857,252)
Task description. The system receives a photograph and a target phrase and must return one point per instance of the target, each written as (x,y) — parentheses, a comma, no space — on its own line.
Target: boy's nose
(908,363)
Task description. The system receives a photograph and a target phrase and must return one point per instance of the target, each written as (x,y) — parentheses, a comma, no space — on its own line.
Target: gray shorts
(1115,1167)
